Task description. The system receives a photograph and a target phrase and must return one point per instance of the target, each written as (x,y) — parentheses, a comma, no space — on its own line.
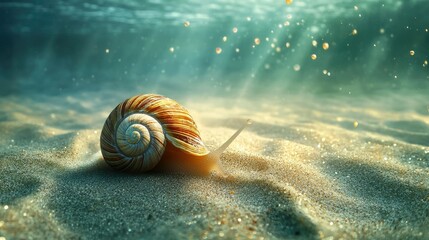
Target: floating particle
(289,2)
(286,23)
(257,41)
(273,45)
(381,30)
(297,67)
(287,45)
(107,50)
(355,124)
(313,56)
(356,8)
(171,49)
(425,63)
(218,50)
(234,29)
(314,43)
(289,16)
(329,74)
(225,38)
(278,49)
(267,66)
(186,23)
(325,71)
(237,50)
(249,19)
(354,32)
(325,46)
(412,52)
(280,26)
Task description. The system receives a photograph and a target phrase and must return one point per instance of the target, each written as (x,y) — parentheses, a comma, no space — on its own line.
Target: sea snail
(151,131)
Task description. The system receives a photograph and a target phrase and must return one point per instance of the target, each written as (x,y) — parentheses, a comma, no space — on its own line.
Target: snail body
(152,132)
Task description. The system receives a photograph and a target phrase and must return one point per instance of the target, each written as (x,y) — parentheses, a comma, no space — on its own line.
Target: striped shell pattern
(135,134)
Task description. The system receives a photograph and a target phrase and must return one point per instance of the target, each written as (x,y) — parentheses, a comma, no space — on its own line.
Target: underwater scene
(151,119)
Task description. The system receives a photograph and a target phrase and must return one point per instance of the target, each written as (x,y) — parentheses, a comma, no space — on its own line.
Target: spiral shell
(135,135)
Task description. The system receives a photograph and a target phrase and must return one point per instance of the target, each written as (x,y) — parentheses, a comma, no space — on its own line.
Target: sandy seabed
(308,168)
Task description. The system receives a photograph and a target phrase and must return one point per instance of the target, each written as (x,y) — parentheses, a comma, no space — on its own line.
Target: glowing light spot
(249,19)
(257,41)
(412,52)
(314,43)
(171,49)
(355,124)
(356,8)
(287,45)
(325,71)
(237,50)
(382,31)
(297,67)
(313,56)
(107,50)
(425,63)
(278,49)
(286,23)
(273,45)
(186,23)
(234,29)
(225,38)
(325,46)
(218,50)
(289,2)
(289,16)
(354,32)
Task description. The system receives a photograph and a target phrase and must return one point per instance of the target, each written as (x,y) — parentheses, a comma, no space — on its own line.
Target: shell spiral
(135,135)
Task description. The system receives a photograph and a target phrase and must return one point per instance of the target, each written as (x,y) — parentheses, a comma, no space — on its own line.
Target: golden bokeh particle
(313,56)
(314,43)
(325,46)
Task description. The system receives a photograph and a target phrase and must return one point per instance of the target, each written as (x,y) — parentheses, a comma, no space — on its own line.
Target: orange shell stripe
(179,127)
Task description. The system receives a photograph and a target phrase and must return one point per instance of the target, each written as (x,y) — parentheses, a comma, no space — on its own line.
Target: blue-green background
(52,47)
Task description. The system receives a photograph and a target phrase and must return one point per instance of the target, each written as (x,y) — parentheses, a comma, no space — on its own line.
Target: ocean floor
(307,168)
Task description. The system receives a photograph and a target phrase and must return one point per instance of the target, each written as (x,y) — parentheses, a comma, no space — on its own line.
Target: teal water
(338,148)
(67,46)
